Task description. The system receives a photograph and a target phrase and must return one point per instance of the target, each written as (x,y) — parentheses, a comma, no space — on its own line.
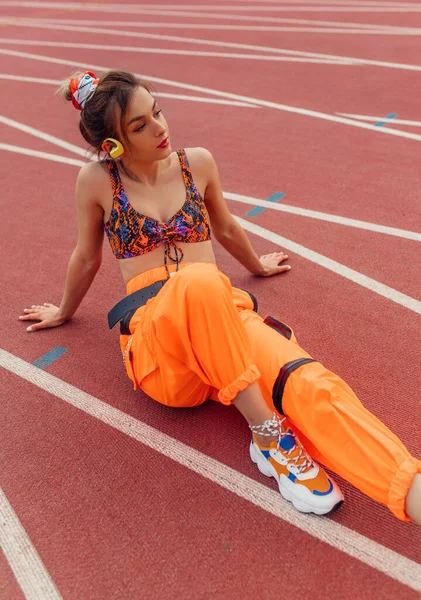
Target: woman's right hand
(47,314)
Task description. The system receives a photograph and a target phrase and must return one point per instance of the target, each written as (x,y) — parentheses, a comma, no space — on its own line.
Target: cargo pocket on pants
(139,360)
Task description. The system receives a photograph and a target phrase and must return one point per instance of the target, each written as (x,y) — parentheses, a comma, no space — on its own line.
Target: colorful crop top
(133,234)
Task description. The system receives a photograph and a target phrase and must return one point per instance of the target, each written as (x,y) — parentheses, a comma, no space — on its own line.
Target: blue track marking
(50,357)
(259,209)
(386,120)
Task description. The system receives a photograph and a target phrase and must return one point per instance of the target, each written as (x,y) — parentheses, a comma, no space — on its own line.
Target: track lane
(320,306)
(9,587)
(67,497)
(292,154)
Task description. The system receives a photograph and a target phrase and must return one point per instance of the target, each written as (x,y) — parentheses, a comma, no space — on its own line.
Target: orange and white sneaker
(301,480)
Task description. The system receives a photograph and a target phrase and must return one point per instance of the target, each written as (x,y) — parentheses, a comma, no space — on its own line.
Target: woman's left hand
(272,264)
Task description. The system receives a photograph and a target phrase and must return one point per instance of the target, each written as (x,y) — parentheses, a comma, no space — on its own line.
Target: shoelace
(302,462)
(307,462)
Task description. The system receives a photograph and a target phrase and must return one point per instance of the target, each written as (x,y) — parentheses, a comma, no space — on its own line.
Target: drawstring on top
(178,254)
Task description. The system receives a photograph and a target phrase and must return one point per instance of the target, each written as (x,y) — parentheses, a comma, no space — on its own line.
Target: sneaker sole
(266,469)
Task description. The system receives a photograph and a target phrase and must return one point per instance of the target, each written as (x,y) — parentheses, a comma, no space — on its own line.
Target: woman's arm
(85,259)
(228,232)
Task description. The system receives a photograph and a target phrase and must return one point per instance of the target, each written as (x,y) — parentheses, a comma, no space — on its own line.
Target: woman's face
(146,128)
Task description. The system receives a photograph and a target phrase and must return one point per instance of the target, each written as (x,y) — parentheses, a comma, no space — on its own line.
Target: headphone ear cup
(116,151)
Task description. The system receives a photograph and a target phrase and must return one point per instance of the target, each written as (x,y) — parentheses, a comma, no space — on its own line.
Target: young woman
(186,333)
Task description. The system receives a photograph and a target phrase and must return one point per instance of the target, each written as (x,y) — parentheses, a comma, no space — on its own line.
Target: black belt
(133,301)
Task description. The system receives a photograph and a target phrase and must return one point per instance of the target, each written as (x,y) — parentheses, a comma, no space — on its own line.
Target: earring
(116,151)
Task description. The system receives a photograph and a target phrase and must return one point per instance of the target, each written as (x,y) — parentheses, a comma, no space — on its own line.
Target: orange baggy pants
(200,338)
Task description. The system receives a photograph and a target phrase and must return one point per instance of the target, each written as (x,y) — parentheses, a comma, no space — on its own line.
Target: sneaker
(301,481)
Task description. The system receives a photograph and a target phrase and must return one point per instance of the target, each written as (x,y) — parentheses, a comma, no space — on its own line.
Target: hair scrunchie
(82,89)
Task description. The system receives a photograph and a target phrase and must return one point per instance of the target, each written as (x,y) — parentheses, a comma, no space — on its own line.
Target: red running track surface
(109,517)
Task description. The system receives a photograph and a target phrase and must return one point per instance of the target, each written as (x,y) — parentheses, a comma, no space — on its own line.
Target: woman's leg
(349,439)
(279,454)
(193,333)
(413,500)
(192,329)
(340,432)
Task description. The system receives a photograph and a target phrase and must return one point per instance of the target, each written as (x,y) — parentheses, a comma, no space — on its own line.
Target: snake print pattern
(133,234)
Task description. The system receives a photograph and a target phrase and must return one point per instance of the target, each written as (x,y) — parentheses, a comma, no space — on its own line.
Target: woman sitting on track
(186,333)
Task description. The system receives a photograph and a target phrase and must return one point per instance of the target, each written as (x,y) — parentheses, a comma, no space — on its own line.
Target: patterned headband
(82,89)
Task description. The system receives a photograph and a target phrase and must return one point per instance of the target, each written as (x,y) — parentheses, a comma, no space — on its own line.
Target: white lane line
(236,18)
(133,9)
(13,22)
(376,119)
(352,9)
(309,9)
(281,7)
(216,7)
(330,218)
(290,29)
(29,79)
(332,265)
(277,206)
(196,27)
(259,7)
(29,570)
(24,79)
(332,2)
(196,88)
(323,261)
(204,100)
(326,2)
(44,136)
(353,544)
(322,25)
(39,154)
(168,38)
(171,51)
